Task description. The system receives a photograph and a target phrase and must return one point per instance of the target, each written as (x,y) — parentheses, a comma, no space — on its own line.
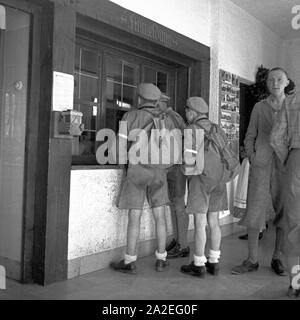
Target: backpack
(221,164)
(166,146)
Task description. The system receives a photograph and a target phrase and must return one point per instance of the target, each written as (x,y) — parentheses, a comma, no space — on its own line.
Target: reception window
(106,81)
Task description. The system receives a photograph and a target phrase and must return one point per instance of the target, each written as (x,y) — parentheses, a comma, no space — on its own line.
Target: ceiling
(276,14)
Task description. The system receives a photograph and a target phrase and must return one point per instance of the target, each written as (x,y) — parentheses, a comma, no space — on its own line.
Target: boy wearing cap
(176,184)
(142,182)
(205,199)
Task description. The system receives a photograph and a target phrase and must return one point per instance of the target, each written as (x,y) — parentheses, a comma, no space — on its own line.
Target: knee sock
(199,260)
(161,256)
(128,258)
(214,256)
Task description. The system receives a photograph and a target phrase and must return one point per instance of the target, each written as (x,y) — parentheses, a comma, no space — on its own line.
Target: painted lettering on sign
(151,31)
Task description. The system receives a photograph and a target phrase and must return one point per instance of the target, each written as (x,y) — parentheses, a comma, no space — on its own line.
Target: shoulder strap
(150,124)
(212,129)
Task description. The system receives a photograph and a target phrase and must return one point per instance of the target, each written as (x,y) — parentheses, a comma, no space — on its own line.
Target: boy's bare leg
(215,230)
(161,228)
(133,231)
(200,233)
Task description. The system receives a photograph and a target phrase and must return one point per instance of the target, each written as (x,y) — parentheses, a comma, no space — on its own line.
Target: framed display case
(229,119)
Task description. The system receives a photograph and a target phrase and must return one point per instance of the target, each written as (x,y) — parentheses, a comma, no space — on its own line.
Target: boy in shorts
(178,247)
(205,199)
(143,181)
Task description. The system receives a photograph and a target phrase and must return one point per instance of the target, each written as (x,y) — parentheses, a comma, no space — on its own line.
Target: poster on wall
(230,107)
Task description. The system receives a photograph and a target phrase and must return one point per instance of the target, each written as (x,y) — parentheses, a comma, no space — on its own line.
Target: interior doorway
(247,102)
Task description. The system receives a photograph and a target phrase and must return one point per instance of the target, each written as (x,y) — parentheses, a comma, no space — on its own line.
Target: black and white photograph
(149,153)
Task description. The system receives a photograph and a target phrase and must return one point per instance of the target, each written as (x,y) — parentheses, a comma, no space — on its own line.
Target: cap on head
(197,104)
(148,91)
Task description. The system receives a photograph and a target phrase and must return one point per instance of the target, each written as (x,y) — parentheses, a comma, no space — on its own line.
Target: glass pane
(113,93)
(14,61)
(85,87)
(130,75)
(114,69)
(162,79)
(86,78)
(129,97)
(111,118)
(149,75)
(89,61)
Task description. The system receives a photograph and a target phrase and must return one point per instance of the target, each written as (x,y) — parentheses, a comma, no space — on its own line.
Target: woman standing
(266,172)
(285,139)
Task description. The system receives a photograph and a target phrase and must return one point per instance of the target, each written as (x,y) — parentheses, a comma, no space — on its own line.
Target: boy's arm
(251,134)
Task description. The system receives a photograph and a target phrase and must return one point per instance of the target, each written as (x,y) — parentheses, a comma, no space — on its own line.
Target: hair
(278,69)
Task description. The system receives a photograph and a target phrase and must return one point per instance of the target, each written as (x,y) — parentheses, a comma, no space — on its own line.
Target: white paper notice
(63,91)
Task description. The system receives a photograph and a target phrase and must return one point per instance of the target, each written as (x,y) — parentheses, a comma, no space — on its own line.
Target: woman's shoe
(247,266)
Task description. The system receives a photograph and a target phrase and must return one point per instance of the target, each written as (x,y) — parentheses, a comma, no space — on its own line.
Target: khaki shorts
(143,183)
(204,196)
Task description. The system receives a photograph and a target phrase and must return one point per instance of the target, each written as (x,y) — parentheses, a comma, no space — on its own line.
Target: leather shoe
(191,269)
(246,266)
(293,293)
(212,268)
(177,252)
(278,267)
(171,245)
(129,268)
(161,265)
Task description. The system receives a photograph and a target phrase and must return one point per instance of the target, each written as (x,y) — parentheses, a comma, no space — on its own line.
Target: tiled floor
(171,284)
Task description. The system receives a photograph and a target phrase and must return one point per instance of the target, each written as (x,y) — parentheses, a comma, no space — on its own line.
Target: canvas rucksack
(221,164)
(169,143)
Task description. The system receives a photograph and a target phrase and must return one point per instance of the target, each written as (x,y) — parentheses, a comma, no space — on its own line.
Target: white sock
(161,256)
(199,260)
(128,258)
(214,256)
